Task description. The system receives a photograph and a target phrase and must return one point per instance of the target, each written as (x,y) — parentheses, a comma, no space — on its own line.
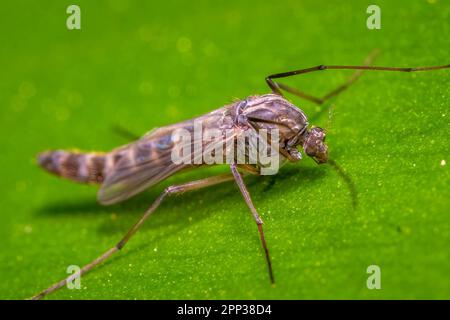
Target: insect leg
(125,133)
(189,186)
(277,87)
(259,222)
(314,99)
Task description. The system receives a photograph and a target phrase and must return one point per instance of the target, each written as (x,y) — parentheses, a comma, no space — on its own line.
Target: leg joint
(120,245)
(171,189)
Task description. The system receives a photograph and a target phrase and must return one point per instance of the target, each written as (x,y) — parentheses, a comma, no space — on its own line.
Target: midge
(132,168)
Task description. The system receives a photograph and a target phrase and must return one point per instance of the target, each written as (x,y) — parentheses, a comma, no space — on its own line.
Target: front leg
(240,182)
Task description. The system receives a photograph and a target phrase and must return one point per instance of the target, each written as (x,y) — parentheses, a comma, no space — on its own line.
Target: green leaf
(144,65)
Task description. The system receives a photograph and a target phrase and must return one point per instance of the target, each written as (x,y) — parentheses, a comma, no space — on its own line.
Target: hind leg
(176,189)
(124,133)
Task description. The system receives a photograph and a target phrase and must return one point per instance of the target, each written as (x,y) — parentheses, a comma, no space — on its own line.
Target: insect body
(132,168)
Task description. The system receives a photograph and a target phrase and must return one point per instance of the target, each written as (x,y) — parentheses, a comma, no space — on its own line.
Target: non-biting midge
(130,169)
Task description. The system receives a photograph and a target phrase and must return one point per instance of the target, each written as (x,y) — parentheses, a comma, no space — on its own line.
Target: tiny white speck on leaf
(443,163)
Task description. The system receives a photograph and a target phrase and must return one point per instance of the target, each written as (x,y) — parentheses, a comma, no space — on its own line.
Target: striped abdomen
(77,166)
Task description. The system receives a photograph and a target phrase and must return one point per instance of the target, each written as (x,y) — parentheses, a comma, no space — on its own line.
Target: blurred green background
(146,64)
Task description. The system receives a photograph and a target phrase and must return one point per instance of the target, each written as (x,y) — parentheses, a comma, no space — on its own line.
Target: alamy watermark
(74,281)
(374,280)
(73,21)
(373,21)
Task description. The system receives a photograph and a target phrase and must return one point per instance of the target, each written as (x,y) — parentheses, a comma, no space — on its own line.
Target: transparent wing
(149,160)
(133,174)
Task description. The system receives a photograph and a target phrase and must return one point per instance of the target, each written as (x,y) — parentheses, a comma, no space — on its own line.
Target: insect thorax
(273,112)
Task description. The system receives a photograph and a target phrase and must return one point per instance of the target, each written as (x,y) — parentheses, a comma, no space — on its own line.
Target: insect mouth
(321,157)
(315,147)
(318,152)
